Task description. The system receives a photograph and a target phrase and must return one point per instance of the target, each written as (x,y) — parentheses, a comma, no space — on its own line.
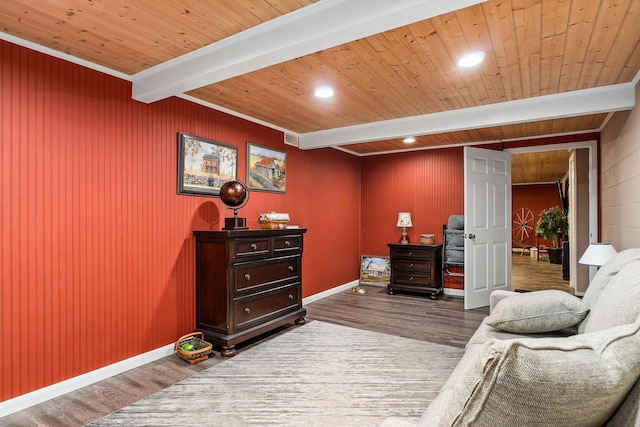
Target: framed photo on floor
(375,269)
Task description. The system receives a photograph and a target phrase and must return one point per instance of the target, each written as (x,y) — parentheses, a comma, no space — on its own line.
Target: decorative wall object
(375,269)
(204,165)
(266,168)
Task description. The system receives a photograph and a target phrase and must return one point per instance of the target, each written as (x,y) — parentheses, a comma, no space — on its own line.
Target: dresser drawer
(412,279)
(416,254)
(291,243)
(257,308)
(250,276)
(411,266)
(252,247)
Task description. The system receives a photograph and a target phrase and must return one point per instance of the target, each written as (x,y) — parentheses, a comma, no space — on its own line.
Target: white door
(487,224)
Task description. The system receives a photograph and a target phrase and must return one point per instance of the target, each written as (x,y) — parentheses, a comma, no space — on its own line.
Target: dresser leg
(436,294)
(391,291)
(301,321)
(228,351)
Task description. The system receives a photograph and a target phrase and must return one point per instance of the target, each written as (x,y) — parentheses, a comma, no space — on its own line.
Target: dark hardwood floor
(443,321)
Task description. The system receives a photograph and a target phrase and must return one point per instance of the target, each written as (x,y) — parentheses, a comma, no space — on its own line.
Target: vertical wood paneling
(96,252)
(97,255)
(535,198)
(429,184)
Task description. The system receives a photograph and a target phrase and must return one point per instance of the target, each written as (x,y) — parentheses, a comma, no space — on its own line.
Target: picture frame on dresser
(204,165)
(266,168)
(375,270)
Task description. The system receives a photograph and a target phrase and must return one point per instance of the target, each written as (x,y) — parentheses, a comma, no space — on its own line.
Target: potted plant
(552,224)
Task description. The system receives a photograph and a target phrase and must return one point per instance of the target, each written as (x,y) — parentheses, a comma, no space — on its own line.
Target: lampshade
(404,219)
(597,254)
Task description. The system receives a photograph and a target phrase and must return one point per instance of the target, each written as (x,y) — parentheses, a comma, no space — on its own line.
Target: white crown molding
(307,30)
(234,113)
(597,100)
(64,56)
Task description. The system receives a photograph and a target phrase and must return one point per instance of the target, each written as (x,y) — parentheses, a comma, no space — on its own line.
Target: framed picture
(204,165)
(266,169)
(375,269)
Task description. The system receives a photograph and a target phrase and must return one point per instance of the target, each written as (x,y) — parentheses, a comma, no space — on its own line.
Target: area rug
(319,374)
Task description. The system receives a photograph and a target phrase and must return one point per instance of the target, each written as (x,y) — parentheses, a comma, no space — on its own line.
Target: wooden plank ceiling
(533,48)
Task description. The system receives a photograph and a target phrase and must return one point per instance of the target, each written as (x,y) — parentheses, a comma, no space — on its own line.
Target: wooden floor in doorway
(528,274)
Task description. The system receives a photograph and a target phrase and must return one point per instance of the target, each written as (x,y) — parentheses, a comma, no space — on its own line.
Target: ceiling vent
(291,139)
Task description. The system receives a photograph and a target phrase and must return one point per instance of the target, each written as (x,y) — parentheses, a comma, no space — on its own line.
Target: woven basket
(201,348)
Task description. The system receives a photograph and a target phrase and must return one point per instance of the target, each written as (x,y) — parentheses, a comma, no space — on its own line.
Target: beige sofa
(547,358)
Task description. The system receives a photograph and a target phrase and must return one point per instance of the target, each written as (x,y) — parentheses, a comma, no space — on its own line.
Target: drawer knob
(247,310)
(290,297)
(411,278)
(254,246)
(410,253)
(287,243)
(290,268)
(247,276)
(411,265)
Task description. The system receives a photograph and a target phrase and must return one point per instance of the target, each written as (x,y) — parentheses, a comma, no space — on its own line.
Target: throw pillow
(578,380)
(537,312)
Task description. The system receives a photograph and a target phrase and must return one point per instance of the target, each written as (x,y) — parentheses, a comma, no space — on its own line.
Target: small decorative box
(427,239)
(273,220)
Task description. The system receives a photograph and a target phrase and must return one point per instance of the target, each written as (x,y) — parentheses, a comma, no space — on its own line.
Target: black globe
(233,193)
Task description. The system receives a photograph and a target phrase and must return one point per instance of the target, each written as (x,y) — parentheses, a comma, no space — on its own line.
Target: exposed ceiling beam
(319,26)
(604,99)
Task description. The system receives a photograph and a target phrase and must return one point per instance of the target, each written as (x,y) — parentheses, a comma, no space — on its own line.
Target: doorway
(580,233)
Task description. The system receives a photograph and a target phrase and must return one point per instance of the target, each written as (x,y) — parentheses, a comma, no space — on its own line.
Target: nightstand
(416,268)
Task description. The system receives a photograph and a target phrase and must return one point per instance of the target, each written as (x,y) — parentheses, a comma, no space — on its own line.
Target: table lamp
(404,221)
(597,254)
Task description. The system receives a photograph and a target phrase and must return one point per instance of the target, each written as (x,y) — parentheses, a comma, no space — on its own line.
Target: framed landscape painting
(375,269)
(266,168)
(204,165)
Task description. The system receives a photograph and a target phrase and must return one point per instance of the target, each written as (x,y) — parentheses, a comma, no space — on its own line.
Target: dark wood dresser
(416,268)
(248,282)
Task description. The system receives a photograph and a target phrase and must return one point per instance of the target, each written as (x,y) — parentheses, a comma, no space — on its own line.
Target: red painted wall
(429,184)
(535,198)
(96,252)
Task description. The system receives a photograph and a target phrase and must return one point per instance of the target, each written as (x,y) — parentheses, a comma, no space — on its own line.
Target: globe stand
(235,223)
(235,195)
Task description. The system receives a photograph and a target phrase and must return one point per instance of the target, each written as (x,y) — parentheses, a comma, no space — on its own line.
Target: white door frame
(592,145)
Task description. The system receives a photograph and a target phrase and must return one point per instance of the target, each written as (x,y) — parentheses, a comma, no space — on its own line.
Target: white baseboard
(25,401)
(329,292)
(58,389)
(458,293)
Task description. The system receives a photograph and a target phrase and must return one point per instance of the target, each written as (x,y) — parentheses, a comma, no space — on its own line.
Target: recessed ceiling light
(409,140)
(324,92)
(470,59)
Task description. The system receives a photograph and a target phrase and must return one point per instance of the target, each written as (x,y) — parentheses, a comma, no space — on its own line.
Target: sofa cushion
(540,311)
(485,333)
(618,302)
(602,278)
(578,380)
